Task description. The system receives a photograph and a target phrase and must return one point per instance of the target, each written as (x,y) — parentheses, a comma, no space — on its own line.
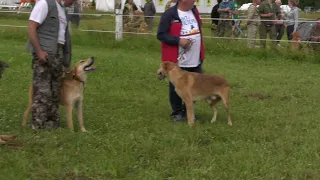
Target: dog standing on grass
(191,86)
(5,138)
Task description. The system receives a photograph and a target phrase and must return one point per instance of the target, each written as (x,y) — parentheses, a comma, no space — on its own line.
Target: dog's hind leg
(212,101)
(224,94)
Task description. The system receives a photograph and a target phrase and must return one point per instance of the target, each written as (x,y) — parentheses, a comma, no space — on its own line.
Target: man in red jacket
(181,42)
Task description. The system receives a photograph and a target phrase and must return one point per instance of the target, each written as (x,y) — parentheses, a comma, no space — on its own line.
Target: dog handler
(50,45)
(181,42)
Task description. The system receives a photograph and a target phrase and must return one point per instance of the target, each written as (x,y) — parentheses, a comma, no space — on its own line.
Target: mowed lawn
(274,108)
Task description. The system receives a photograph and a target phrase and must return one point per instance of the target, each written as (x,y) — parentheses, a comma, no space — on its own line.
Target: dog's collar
(77,79)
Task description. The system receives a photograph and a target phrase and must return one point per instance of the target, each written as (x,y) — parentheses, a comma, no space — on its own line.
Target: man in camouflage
(269,10)
(131,20)
(224,27)
(170,3)
(50,45)
(253,23)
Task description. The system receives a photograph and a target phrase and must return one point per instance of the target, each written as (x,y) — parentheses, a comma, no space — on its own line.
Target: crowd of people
(264,18)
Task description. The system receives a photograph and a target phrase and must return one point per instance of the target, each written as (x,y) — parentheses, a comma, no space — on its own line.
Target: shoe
(178,118)
(196,117)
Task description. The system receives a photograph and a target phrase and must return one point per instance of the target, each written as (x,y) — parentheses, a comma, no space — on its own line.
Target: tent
(204,6)
(245,7)
(11,2)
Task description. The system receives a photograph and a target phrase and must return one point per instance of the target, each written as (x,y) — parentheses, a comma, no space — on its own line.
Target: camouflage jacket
(253,14)
(266,7)
(128,11)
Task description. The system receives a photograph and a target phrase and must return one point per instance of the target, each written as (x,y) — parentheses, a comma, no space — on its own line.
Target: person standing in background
(293,17)
(149,11)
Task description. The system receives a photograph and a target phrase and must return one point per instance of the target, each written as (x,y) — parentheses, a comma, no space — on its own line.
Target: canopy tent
(246,6)
(204,6)
(10,1)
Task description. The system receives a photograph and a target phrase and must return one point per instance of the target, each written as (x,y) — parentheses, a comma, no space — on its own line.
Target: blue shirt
(224,5)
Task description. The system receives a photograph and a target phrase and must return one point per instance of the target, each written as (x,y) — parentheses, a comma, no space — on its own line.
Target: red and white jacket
(169,33)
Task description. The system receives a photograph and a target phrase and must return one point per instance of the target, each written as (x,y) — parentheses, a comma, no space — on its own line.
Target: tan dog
(71,92)
(295,44)
(192,87)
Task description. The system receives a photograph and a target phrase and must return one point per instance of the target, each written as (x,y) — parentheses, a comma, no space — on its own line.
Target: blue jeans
(290,31)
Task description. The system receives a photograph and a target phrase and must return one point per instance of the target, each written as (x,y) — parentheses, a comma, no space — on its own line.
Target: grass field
(274,108)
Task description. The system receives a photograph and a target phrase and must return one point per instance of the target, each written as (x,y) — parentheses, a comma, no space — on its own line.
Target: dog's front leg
(190,111)
(69,116)
(80,115)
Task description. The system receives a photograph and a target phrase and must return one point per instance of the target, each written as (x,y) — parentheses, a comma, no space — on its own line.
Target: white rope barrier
(113,15)
(153,34)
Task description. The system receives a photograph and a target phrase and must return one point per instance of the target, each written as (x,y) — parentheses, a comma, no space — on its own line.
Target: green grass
(274,108)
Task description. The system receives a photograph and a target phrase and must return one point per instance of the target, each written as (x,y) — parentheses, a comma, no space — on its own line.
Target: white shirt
(40,12)
(190,30)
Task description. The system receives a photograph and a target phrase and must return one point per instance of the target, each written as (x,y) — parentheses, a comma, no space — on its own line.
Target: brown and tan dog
(192,87)
(295,44)
(71,92)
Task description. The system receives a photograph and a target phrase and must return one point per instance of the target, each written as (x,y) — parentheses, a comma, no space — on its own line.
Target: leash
(181,58)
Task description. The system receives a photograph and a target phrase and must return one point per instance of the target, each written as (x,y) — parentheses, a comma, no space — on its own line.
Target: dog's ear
(166,66)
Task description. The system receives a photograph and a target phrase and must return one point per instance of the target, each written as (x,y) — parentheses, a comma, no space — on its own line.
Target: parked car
(309,9)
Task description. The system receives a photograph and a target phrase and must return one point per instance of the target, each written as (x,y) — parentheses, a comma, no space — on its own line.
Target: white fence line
(157,16)
(153,34)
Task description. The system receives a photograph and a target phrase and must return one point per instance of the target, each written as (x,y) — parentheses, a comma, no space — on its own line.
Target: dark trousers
(176,102)
(280,31)
(290,31)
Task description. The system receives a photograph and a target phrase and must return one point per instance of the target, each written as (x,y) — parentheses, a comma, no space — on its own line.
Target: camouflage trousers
(268,29)
(252,35)
(224,28)
(46,91)
(132,25)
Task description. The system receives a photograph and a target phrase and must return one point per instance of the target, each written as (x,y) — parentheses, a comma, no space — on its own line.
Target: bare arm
(32,35)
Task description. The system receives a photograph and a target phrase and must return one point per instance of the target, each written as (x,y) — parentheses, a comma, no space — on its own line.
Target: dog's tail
(26,113)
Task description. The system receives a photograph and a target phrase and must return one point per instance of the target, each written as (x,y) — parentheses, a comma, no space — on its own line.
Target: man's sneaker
(196,117)
(178,118)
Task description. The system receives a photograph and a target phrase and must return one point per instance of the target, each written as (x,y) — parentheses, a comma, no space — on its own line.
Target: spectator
(225,24)
(149,11)
(253,23)
(293,16)
(315,37)
(181,41)
(131,20)
(73,13)
(215,14)
(269,10)
(170,3)
(280,24)
(235,17)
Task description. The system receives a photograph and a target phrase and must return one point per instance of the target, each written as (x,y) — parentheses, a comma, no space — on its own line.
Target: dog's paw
(84,130)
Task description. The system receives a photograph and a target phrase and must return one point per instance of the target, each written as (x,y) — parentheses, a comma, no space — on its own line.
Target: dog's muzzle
(161,76)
